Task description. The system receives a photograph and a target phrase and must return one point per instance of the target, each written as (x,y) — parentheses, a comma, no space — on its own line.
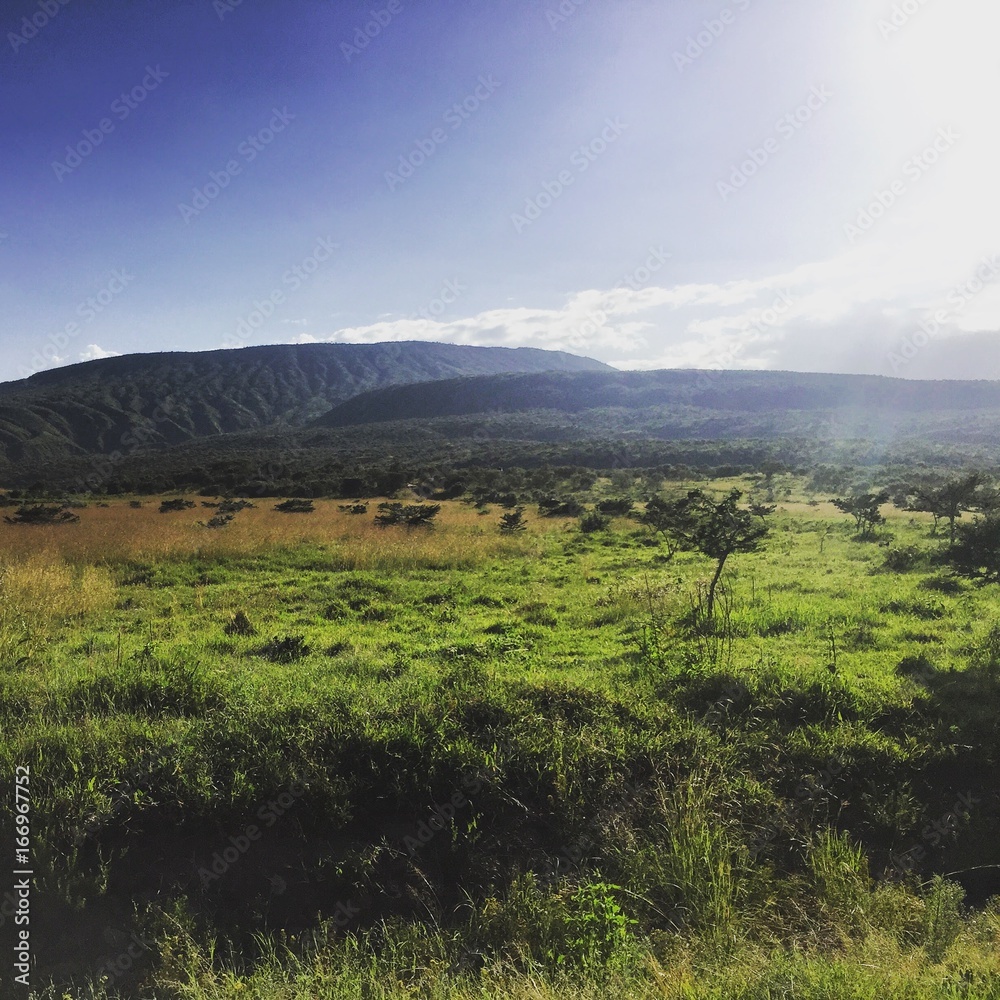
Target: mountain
(865,402)
(153,400)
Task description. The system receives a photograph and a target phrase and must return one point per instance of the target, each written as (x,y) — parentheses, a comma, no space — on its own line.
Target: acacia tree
(720,529)
(948,501)
(865,508)
(977,549)
(672,519)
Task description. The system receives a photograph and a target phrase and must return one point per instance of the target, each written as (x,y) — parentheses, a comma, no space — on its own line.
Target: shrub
(616,506)
(902,559)
(217,521)
(512,522)
(41,514)
(414,515)
(560,507)
(353,508)
(172,506)
(296,507)
(593,521)
(230,506)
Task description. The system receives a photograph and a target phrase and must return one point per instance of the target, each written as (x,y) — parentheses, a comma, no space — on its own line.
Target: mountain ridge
(166,398)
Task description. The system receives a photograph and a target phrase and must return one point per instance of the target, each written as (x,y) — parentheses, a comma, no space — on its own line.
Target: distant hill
(154,400)
(790,401)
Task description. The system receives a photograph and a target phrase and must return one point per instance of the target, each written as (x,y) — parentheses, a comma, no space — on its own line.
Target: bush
(560,507)
(172,506)
(902,559)
(353,508)
(41,514)
(414,515)
(512,522)
(296,507)
(616,506)
(593,521)
(217,521)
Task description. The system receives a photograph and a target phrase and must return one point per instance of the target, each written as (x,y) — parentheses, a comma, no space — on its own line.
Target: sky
(765,184)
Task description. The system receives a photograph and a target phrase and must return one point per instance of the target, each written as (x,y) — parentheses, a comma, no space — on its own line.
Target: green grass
(518,770)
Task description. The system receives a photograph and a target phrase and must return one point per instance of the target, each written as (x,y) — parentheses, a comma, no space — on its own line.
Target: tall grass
(39,588)
(121,534)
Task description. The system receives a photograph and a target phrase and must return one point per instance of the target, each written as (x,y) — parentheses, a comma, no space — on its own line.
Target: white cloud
(94,353)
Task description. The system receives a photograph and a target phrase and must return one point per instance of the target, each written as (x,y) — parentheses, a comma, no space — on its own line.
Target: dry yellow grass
(39,588)
(118,534)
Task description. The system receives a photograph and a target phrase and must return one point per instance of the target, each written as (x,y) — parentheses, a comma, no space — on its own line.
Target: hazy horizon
(734,185)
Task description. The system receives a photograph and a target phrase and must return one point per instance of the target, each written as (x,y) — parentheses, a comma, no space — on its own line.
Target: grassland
(479,765)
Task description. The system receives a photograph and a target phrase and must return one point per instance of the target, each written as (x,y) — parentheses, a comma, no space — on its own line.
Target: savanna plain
(306,756)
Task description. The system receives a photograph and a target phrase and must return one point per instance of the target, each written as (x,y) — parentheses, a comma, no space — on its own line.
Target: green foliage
(296,507)
(644,808)
(594,521)
(173,506)
(866,509)
(42,514)
(560,507)
(616,506)
(977,549)
(512,522)
(413,515)
(949,500)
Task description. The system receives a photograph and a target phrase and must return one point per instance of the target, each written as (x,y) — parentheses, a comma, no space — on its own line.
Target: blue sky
(759,183)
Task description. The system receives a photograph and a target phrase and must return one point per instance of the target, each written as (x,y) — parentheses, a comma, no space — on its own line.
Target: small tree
(414,515)
(674,520)
(976,551)
(720,529)
(616,506)
(865,508)
(512,522)
(41,514)
(594,521)
(947,502)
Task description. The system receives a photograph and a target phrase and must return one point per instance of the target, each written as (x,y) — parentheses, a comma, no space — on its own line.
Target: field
(306,757)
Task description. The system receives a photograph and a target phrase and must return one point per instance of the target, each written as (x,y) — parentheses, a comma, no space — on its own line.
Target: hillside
(151,400)
(772,402)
